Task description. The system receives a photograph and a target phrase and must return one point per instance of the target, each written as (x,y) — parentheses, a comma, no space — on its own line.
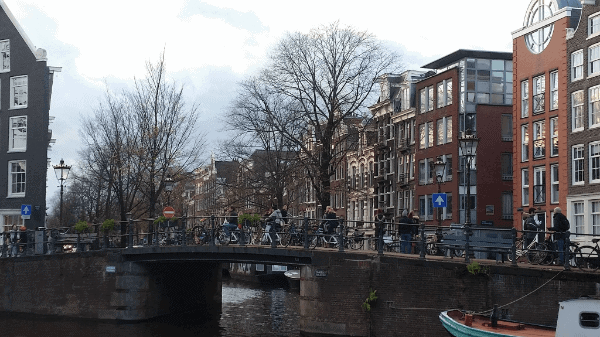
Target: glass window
(449,92)
(577,65)
(594,59)
(554,90)
(483,98)
(594,107)
(595,162)
(577,166)
(554,136)
(423,100)
(448,169)
(18,92)
(429,134)
(5,54)
(554,182)
(497,64)
(498,88)
(594,24)
(578,216)
(539,139)
(440,94)
(430,94)
(440,131)
(525,187)
(16,178)
(507,205)
(449,129)
(524,99)
(422,139)
(595,214)
(506,127)
(506,166)
(422,172)
(483,63)
(18,134)
(448,208)
(577,110)
(539,94)
(539,185)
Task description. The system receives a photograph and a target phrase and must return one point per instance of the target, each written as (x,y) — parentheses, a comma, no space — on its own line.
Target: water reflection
(247,311)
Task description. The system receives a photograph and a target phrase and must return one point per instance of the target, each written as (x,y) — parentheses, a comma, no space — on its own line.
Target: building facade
(25,92)
(540,110)
(469,90)
(583,123)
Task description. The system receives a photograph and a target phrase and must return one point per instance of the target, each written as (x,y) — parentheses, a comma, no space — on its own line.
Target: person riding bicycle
(560,227)
(331,222)
(275,220)
(531,224)
(232,221)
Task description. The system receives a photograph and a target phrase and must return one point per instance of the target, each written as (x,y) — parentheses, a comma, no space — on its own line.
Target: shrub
(108,225)
(82,226)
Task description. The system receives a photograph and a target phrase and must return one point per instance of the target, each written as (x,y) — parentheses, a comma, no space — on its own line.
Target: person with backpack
(560,227)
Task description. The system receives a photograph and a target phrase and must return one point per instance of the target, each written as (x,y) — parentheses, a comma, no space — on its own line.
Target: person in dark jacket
(560,226)
(232,221)
(331,220)
(405,229)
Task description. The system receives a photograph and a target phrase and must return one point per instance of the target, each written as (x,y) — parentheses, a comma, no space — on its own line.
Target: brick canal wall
(103,286)
(412,293)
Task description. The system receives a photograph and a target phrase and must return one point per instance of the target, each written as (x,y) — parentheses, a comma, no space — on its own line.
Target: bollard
(380,238)
(341,237)
(423,241)
(305,233)
(567,251)
(513,249)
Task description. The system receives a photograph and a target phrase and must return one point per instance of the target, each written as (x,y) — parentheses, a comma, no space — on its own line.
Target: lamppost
(169,184)
(62,173)
(439,167)
(468,146)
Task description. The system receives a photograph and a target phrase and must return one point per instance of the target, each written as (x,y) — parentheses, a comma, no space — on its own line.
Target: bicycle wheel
(222,238)
(519,250)
(537,253)
(587,258)
(431,248)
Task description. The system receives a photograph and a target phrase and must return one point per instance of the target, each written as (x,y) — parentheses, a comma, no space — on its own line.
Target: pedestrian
(23,239)
(405,229)
(560,227)
(331,222)
(276,218)
(284,214)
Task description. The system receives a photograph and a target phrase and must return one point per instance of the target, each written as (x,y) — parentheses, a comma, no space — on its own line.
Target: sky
(212,45)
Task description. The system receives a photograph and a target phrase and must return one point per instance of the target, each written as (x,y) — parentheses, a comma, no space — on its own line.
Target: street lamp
(169,184)
(439,167)
(62,172)
(468,146)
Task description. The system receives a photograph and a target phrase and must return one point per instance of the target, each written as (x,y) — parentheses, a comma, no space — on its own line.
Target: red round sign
(168,212)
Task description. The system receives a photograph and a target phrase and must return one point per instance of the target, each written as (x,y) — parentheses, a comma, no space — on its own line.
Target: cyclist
(560,226)
(232,222)
(275,219)
(331,222)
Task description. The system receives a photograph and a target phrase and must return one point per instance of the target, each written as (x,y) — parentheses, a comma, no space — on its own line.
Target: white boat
(293,277)
(578,317)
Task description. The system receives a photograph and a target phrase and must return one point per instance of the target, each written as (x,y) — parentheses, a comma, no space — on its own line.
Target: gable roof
(40,54)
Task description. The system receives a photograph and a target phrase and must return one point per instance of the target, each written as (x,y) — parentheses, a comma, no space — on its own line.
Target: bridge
(140,281)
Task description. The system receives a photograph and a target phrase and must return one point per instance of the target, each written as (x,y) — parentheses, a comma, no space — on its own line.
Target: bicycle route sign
(169,212)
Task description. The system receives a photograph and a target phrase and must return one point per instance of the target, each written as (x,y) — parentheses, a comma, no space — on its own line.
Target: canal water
(248,310)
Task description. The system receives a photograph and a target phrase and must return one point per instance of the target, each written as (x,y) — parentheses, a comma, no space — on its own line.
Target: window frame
(554,184)
(591,19)
(554,90)
(594,159)
(539,176)
(524,98)
(11,136)
(11,177)
(577,110)
(593,100)
(5,54)
(539,94)
(593,63)
(595,216)
(575,165)
(539,137)
(525,187)
(524,143)
(578,216)
(577,65)
(553,136)
(12,92)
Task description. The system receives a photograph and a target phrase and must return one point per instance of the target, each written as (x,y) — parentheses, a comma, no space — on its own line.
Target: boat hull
(481,327)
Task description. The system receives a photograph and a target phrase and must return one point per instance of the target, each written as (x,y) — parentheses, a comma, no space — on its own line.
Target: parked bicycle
(262,236)
(292,236)
(235,236)
(588,257)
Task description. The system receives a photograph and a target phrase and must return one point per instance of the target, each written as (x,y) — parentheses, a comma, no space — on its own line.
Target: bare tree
(316,81)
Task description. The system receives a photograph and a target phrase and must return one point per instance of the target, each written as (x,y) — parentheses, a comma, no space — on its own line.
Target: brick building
(583,122)
(540,110)
(26,88)
(469,90)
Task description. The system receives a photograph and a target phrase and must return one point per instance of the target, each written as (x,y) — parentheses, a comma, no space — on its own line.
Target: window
(594,60)
(449,92)
(525,186)
(440,131)
(589,319)
(524,142)
(448,170)
(506,166)
(554,137)
(554,187)
(539,93)
(506,127)
(578,216)
(422,172)
(577,166)
(539,185)
(423,93)
(18,134)
(577,110)
(444,130)
(577,65)
(448,208)
(18,92)
(507,205)
(539,139)
(595,216)
(440,94)
(594,106)
(524,99)
(422,139)
(593,24)
(5,54)
(595,162)
(430,97)
(429,134)
(448,129)
(554,90)
(16,178)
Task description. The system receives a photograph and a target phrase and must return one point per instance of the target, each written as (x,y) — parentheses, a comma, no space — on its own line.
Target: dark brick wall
(412,293)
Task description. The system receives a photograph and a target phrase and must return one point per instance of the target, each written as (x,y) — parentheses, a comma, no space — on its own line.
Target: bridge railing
(382,236)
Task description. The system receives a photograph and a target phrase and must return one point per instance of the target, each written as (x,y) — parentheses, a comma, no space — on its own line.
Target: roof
(40,54)
(464,53)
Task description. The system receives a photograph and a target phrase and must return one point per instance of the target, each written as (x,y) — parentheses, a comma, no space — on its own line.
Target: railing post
(567,250)
(242,240)
(305,234)
(513,250)
(380,237)
(78,242)
(341,236)
(52,239)
(423,241)
(212,230)
(130,232)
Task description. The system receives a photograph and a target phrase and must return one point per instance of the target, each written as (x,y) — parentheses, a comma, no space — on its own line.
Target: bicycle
(588,257)
(535,251)
(234,236)
(263,236)
(292,236)
(356,240)
(553,255)
(322,239)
